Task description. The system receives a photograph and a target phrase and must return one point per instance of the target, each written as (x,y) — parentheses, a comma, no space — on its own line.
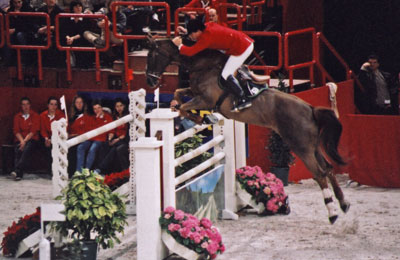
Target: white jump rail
(224,153)
(137,128)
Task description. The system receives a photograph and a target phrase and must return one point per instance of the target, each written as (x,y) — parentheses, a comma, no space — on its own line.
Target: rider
(236,44)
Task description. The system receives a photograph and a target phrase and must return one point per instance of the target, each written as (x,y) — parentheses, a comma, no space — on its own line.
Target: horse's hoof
(345,207)
(332,219)
(210,119)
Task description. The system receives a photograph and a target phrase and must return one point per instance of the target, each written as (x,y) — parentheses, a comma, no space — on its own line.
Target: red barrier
(267,68)
(68,49)
(1,31)
(309,64)
(129,72)
(374,143)
(39,48)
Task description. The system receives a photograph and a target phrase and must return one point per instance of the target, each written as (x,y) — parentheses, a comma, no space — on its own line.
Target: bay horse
(312,133)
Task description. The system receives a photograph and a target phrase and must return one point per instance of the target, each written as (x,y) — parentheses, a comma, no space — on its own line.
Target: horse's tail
(330,130)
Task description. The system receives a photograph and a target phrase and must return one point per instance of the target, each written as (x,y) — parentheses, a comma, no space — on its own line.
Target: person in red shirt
(46,118)
(86,151)
(236,44)
(206,4)
(119,145)
(26,131)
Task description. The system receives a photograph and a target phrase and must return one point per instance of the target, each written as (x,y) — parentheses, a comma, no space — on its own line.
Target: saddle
(251,83)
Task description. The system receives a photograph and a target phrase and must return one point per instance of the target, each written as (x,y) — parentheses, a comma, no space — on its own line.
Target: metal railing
(18,48)
(2,41)
(128,71)
(267,68)
(307,64)
(68,49)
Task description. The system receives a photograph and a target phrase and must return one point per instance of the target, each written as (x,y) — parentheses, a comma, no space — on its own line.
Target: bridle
(157,51)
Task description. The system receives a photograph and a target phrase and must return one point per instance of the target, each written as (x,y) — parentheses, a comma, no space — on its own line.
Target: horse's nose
(151,81)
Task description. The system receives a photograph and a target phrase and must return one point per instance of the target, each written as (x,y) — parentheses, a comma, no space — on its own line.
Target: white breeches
(234,62)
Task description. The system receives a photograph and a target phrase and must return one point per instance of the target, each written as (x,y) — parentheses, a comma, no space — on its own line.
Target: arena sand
(370,230)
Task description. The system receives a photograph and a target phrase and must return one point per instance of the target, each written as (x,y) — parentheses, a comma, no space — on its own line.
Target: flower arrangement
(197,235)
(264,188)
(19,231)
(114,180)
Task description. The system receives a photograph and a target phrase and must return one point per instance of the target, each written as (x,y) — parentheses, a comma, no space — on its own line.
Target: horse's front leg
(178,95)
(193,104)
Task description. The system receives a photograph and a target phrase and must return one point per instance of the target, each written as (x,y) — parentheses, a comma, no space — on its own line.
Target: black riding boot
(233,85)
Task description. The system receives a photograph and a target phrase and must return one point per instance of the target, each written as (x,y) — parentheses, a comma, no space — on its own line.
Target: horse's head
(161,53)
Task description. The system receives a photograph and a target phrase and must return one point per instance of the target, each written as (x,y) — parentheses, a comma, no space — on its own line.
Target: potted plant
(280,157)
(189,237)
(94,215)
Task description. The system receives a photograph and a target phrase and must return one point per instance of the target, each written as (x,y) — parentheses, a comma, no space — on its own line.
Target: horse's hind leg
(319,169)
(344,205)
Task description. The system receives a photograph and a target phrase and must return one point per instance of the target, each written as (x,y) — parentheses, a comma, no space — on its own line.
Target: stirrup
(240,107)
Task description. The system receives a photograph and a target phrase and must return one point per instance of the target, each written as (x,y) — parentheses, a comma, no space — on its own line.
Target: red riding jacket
(219,37)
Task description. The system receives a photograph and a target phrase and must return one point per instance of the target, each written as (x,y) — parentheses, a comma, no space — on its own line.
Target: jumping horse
(312,133)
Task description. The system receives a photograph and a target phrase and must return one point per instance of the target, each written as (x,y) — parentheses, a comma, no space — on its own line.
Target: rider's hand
(174,105)
(177,41)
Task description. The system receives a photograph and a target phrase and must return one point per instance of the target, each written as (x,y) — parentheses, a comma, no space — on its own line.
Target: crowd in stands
(80,31)
(104,153)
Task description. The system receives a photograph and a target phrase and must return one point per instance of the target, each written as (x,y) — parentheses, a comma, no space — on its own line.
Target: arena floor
(370,230)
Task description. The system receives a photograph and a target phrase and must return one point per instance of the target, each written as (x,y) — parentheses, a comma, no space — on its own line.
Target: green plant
(280,154)
(186,146)
(92,210)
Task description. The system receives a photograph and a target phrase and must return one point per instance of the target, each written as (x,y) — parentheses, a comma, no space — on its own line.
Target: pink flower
(167,216)
(212,248)
(267,190)
(205,222)
(222,248)
(195,237)
(179,214)
(250,183)
(271,205)
(169,210)
(204,245)
(173,227)
(184,232)
(190,223)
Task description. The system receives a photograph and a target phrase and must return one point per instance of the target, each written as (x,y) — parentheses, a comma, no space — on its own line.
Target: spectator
(381,91)
(21,30)
(138,22)
(118,145)
(46,118)
(213,16)
(86,151)
(71,31)
(52,57)
(79,123)
(99,39)
(26,132)
(206,4)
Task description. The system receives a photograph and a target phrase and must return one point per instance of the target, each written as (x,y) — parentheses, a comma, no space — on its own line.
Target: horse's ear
(152,42)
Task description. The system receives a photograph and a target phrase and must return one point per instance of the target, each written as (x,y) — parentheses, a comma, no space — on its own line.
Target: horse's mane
(204,60)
